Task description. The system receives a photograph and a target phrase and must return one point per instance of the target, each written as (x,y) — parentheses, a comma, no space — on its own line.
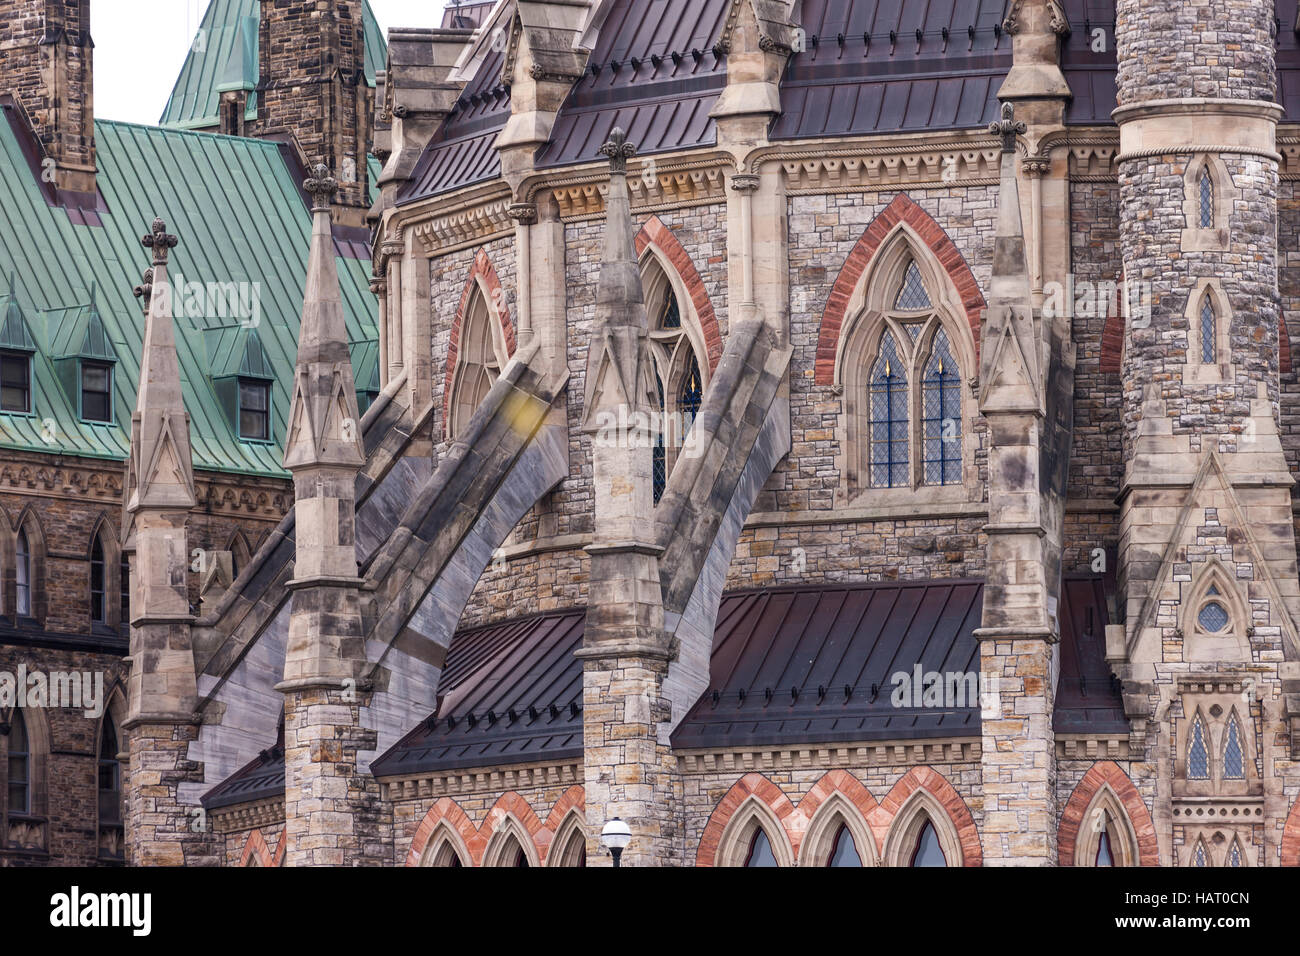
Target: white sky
(140,46)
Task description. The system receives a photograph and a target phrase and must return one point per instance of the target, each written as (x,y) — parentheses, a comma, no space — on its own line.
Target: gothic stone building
(814,433)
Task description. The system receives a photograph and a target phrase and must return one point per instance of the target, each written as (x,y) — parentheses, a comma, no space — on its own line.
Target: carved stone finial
(619,151)
(159,241)
(321,186)
(1007,127)
(144,291)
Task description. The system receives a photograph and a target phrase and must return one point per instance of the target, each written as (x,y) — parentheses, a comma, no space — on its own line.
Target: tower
(1207,572)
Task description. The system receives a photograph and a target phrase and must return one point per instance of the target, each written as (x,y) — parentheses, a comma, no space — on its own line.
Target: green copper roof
(240,268)
(223,56)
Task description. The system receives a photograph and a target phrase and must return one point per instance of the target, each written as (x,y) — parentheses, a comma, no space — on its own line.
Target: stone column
(629,773)
(333,814)
(162,690)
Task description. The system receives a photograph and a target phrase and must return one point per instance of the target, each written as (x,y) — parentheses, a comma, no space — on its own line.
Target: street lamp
(616,835)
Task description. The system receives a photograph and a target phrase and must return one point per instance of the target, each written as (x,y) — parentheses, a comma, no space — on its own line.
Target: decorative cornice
(474,224)
(836,166)
(247,816)
(901,753)
(491,780)
(1095,747)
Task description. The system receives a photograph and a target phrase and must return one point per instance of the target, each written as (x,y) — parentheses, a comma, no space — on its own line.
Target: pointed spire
(160,470)
(618,369)
(324,420)
(1009,352)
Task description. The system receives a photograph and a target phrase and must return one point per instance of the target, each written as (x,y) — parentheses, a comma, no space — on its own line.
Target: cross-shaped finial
(159,241)
(1007,127)
(144,291)
(321,185)
(619,151)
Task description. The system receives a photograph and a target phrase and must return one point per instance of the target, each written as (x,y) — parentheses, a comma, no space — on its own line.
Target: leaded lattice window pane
(1207,331)
(691,394)
(941,415)
(1201,859)
(659,455)
(672,315)
(1234,764)
(1198,757)
(1212,618)
(889,418)
(1234,858)
(1207,200)
(912,295)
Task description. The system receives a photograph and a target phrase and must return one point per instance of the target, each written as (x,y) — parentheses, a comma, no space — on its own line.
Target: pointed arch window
(901,371)
(20,765)
(677,350)
(889,418)
(844,852)
(98,584)
(479,360)
(110,793)
(1234,762)
(1198,754)
(1200,857)
(760,850)
(23,574)
(1235,856)
(1205,193)
(928,852)
(1209,329)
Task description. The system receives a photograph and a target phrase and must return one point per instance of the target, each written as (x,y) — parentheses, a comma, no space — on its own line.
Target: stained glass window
(1208,329)
(1198,756)
(1234,764)
(691,395)
(844,852)
(1207,200)
(760,850)
(912,294)
(1212,618)
(1234,857)
(889,417)
(928,852)
(671,318)
(941,415)
(1201,858)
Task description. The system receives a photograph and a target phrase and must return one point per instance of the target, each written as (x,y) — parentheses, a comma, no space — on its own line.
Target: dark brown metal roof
(866,70)
(1288,58)
(654,73)
(461,153)
(509,693)
(802,665)
(1088,697)
(259,779)
(818,664)
(1090,73)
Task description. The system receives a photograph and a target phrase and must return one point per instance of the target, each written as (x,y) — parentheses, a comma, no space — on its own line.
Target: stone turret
(628,772)
(312,68)
(1206,503)
(331,803)
(46,59)
(159,496)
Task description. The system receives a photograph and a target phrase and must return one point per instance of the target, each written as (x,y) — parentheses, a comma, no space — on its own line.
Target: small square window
(96,392)
(16,382)
(254,410)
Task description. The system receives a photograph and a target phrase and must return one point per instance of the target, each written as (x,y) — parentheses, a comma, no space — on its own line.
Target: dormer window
(96,392)
(254,409)
(16,382)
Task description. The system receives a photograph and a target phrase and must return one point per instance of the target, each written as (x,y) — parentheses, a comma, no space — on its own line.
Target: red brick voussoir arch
(937,786)
(256,848)
(1291,837)
(763,790)
(903,209)
(510,804)
(847,786)
(1107,773)
(654,232)
(496,298)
